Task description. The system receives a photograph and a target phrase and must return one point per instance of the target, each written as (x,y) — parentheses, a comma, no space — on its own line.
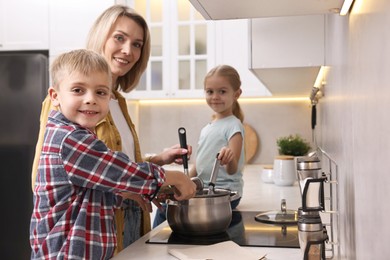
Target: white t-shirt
(123,128)
(212,138)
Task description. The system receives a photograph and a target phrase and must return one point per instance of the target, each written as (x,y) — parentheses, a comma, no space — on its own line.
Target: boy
(79,178)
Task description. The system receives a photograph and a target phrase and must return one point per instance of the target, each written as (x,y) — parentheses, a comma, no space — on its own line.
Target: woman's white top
(123,128)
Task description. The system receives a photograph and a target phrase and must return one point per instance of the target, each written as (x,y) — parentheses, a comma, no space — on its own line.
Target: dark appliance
(243,230)
(23,85)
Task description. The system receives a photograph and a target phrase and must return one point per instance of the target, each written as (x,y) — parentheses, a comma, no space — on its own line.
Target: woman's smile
(121,60)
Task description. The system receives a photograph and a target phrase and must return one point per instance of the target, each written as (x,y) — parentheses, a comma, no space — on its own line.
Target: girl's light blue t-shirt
(212,138)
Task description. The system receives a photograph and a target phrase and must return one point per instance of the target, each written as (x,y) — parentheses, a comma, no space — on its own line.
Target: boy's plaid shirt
(74,195)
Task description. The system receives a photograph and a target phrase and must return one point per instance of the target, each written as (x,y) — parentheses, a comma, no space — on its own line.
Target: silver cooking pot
(204,214)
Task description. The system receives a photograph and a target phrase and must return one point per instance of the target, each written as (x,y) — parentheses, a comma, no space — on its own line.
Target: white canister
(284,170)
(267,174)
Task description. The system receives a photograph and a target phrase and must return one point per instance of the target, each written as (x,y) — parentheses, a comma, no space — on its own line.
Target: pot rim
(217,193)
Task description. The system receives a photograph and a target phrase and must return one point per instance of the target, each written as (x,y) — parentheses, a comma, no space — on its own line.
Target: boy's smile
(83,99)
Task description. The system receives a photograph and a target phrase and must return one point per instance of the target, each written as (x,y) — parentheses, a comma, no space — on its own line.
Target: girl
(224,134)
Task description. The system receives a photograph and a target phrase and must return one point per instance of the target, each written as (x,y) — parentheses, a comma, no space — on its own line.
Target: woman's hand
(141,201)
(172,154)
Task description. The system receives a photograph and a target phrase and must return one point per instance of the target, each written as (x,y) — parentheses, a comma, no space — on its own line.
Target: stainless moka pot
(312,235)
(311,183)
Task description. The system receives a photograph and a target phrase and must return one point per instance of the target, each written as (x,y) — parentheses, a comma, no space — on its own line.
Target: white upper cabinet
(287,52)
(70,22)
(294,41)
(54,25)
(185,47)
(24,25)
(286,38)
(182,50)
(233,48)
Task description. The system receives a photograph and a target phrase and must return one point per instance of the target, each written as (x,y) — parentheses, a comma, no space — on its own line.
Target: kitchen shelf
(331,212)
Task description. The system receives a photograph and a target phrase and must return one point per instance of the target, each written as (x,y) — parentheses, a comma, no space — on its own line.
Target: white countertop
(257,196)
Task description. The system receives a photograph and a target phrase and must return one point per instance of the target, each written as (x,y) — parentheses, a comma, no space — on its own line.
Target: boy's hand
(184,187)
(185,190)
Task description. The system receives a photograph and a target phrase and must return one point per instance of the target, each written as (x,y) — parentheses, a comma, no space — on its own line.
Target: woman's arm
(46,107)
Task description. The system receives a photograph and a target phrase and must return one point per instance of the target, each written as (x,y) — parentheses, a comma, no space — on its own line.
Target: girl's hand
(230,155)
(225,155)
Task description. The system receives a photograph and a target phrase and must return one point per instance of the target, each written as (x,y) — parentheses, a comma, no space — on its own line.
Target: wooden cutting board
(251,143)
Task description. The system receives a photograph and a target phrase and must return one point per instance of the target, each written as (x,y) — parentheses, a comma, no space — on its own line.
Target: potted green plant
(293,145)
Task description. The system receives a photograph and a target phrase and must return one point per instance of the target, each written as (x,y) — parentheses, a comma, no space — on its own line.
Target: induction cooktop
(243,230)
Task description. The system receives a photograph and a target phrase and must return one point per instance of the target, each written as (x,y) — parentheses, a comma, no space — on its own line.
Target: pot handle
(234,195)
(214,173)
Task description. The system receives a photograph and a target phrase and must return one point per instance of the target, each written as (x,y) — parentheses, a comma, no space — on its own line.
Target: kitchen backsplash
(158,123)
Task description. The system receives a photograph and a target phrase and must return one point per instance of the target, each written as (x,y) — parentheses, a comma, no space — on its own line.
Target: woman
(122,37)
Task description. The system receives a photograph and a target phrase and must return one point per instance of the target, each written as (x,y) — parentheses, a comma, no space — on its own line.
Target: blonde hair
(233,77)
(82,61)
(99,34)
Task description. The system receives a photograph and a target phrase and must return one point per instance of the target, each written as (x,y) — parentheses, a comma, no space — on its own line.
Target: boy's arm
(89,163)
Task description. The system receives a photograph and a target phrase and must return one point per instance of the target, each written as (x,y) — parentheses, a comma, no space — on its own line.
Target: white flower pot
(284,170)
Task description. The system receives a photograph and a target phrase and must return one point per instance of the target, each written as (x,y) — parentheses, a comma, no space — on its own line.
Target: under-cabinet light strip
(346,6)
(203,101)
(320,80)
